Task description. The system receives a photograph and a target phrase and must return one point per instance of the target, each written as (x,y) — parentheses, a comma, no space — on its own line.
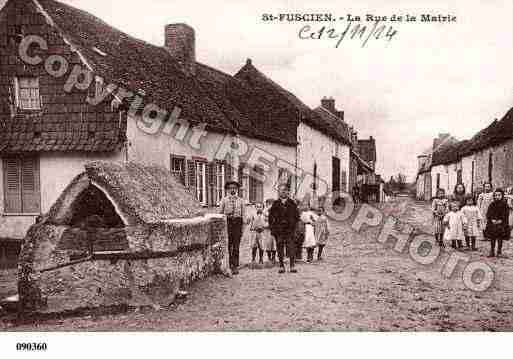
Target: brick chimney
(181,43)
(329,104)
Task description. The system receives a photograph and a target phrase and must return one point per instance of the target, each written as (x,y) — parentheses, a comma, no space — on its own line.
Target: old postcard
(270,166)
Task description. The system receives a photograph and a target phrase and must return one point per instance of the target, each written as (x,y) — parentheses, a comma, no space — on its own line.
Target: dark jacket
(498,210)
(283,218)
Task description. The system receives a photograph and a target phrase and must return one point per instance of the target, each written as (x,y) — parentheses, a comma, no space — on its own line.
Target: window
(284,177)
(314,186)
(178,168)
(344,182)
(335,174)
(459,176)
(220,170)
(201,182)
(27,93)
(438,181)
(472,182)
(21,185)
(490,167)
(256,186)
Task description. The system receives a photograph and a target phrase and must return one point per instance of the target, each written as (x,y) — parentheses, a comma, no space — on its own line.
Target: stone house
(486,157)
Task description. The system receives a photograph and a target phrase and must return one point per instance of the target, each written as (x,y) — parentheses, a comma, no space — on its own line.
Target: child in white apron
(309,217)
(257,227)
(455,223)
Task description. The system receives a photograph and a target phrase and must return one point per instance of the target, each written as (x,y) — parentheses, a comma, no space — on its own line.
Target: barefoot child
(309,217)
(322,231)
(439,209)
(474,222)
(268,241)
(455,223)
(257,227)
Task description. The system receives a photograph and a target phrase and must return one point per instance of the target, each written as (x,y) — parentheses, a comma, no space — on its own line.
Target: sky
(430,78)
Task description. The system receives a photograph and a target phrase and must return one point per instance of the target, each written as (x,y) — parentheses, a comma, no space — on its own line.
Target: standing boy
(283,218)
(233,207)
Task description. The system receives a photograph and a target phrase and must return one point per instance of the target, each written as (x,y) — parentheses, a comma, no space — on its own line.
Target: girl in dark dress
(497,227)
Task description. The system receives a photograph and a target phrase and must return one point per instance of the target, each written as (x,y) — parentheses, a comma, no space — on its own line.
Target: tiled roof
(496,133)
(119,59)
(450,153)
(333,125)
(367,150)
(136,65)
(249,114)
(273,99)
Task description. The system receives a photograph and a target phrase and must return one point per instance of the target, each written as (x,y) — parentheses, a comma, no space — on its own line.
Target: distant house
(486,157)
(326,146)
(367,151)
(428,180)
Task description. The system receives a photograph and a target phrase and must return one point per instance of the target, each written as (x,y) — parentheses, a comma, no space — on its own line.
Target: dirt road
(362,285)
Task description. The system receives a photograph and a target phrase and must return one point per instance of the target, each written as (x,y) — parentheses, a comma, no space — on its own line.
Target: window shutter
(191,176)
(344,182)
(12,184)
(30,185)
(16,86)
(229,172)
(240,179)
(208,185)
(213,183)
(252,189)
(256,187)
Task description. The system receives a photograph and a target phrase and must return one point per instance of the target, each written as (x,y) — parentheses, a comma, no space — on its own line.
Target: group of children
(312,231)
(462,217)
(455,222)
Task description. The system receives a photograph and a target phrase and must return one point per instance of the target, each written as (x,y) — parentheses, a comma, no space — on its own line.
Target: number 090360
(37,347)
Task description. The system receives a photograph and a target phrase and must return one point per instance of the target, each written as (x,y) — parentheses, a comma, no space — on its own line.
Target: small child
(322,231)
(439,209)
(309,217)
(455,223)
(268,240)
(257,227)
(474,222)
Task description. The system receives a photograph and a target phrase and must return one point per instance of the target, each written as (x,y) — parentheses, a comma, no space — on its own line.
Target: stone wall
(162,258)
(502,165)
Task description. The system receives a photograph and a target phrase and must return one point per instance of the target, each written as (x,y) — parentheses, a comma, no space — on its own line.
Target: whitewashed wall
(444,178)
(466,166)
(316,147)
(56,170)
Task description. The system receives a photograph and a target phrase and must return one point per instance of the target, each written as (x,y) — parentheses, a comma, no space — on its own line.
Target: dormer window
(27,93)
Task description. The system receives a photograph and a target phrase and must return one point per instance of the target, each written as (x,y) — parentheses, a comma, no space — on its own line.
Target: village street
(361,285)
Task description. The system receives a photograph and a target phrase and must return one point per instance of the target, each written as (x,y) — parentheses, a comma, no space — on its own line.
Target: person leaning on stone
(283,217)
(232,206)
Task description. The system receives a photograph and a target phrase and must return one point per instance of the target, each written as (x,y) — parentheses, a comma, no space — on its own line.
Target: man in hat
(233,207)
(283,218)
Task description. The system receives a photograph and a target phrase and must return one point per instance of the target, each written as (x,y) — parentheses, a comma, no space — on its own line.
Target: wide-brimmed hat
(230,183)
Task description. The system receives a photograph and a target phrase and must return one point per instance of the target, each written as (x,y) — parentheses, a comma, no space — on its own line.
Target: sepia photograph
(229,167)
